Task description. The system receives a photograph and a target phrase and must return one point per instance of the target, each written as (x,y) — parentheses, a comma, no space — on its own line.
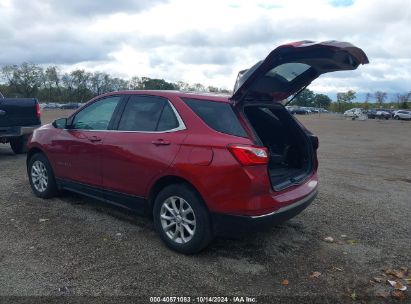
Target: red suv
(198,163)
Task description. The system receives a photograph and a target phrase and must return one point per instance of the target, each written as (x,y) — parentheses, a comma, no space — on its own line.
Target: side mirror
(60,123)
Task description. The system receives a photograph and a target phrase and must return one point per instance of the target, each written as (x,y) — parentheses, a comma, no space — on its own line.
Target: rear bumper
(17,131)
(231,225)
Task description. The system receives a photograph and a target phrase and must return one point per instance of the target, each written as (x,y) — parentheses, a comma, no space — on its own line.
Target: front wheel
(41,176)
(181,219)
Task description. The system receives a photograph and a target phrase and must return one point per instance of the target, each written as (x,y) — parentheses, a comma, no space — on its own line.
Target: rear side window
(217,115)
(147,113)
(168,119)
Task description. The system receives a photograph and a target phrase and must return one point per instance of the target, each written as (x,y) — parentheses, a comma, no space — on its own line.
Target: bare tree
(135,83)
(368,97)
(380,97)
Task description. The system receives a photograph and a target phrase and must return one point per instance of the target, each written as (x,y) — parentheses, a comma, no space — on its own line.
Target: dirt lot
(75,246)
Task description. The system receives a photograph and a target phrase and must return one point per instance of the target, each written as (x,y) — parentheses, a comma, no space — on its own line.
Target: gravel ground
(74,246)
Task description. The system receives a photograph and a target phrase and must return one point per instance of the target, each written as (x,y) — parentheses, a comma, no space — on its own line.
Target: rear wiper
(296,94)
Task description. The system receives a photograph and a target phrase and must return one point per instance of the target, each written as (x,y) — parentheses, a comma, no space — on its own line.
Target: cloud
(207,41)
(80,8)
(341,2)
(89,8)
(57,45)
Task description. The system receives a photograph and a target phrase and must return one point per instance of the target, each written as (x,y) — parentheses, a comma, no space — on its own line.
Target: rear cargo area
(290,151)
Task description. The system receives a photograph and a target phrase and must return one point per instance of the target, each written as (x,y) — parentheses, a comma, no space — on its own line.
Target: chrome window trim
(181,125)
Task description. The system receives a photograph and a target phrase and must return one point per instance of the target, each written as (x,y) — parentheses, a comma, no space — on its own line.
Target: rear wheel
(19,144)
(41,176)
(181,219)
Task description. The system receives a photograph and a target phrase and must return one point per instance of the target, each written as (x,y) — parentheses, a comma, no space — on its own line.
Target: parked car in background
(402,114)
(18,119)
(298,110)
(355,112)
(200,164)
(383,114)
(72,105)
(51,105)
(308,110)
(379,114)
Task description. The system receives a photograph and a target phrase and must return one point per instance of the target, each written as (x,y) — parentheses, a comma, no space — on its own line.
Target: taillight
(249,155)
(38,113)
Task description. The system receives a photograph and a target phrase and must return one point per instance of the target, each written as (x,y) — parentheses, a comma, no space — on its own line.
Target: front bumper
(231,225)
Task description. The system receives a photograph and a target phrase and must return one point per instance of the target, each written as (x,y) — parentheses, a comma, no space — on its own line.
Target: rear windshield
(217,115)
(288,71)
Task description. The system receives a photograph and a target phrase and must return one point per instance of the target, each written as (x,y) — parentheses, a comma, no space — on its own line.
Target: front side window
(148,114)
(96,116)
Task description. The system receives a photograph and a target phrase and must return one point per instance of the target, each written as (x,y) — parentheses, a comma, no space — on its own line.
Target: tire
(19,144)
(41,176)
(397,117)
(167,212)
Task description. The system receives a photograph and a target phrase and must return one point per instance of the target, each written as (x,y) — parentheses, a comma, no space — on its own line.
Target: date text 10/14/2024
(203,299)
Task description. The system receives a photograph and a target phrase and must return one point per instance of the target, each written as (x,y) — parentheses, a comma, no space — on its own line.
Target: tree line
(379,98)
(345,101)
(51,85)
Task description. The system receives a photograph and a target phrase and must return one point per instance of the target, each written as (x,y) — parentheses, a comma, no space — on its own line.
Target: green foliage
(404,105)
(404,100)
(23,80)
(306,98)
(345,102)
(322,101)
(50,85)
(156,84)
(346,97)
(344,106)
(5,90)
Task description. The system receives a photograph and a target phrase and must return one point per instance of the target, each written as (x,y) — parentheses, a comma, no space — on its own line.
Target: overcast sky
(206,41)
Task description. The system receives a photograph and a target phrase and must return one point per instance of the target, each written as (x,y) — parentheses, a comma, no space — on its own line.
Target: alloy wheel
(178,219)
(39,176)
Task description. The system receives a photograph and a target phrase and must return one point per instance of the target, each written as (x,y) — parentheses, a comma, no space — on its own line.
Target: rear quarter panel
(207,164)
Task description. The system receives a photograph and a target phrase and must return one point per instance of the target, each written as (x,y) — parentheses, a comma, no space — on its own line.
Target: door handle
(94,138)
(160,142)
